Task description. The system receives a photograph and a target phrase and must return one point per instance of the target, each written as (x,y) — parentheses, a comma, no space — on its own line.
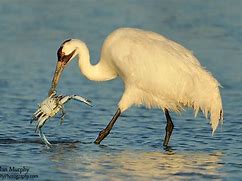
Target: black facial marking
(64,58)
(60,55)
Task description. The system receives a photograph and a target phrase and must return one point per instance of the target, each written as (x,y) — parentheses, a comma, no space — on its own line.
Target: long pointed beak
(60,65)
(58,70)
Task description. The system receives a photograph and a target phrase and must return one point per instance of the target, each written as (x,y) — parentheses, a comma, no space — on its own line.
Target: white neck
(99,72)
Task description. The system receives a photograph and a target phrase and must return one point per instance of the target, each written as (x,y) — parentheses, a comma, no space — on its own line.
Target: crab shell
(48,108)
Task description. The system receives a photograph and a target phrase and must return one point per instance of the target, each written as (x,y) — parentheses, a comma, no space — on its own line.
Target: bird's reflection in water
(136,165)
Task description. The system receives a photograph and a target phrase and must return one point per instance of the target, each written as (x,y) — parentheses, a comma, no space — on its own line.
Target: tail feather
(208,98)
(216,112)
(216,118)
(214,109)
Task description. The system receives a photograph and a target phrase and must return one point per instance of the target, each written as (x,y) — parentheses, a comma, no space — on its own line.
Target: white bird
(157,72)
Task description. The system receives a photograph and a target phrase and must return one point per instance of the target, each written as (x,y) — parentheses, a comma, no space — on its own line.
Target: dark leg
(169,128)
(106,131)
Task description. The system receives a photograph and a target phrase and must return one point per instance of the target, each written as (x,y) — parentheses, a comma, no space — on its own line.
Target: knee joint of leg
(169,126)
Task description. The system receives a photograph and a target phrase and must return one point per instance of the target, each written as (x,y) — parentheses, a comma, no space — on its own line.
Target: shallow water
(30,34)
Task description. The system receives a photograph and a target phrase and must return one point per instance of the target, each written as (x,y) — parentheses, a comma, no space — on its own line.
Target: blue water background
(31,32)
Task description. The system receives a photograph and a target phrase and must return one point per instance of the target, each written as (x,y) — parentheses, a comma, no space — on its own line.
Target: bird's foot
(167,148)
(101,136)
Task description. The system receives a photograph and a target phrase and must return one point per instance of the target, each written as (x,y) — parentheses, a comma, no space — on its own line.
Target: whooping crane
(157,72)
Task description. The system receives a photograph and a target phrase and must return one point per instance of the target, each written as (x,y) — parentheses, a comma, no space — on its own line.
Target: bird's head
(65,54)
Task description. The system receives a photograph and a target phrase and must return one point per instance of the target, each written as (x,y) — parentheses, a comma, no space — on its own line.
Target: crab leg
(62,116)
(41,121)
(36,115)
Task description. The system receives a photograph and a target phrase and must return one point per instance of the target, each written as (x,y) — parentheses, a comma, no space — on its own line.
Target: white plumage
(157,72)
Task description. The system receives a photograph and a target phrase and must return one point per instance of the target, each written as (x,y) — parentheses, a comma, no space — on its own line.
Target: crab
(49,108)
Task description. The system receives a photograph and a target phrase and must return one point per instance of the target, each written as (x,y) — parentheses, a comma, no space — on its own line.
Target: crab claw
(82,99)
(65,99)
(43,138)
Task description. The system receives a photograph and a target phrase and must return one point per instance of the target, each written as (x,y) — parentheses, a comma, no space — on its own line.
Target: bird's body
(157,72)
